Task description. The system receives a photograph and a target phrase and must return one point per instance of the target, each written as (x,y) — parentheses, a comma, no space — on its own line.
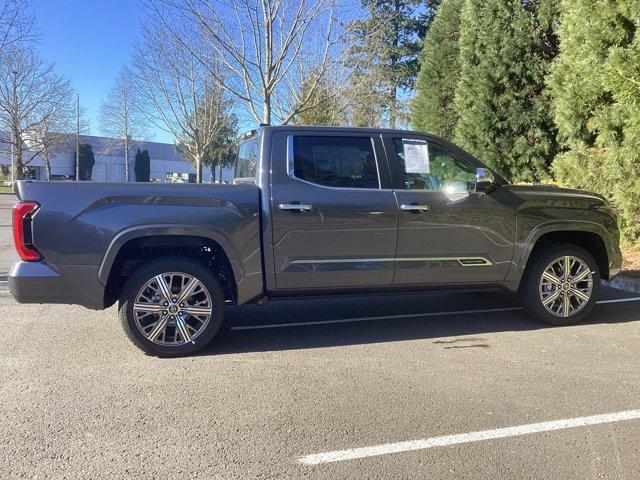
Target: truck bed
(79,229)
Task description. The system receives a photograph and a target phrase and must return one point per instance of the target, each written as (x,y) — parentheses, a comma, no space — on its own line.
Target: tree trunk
(19,166)
(393,107)
(266,114)
(16,147)
(127,175)
(47,164)
(198,169)
(393,90)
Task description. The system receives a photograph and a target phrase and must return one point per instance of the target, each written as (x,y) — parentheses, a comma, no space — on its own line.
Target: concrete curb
(621,282)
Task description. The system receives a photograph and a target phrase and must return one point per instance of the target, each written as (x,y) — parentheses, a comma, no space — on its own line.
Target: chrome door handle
(295,207)
(414,208)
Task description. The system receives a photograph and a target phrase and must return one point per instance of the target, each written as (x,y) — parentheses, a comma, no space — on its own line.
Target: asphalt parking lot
(285,382)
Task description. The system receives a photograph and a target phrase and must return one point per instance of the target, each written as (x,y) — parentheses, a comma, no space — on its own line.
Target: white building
(166,165)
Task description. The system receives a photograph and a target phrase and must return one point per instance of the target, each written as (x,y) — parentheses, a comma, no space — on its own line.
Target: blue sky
(89,41)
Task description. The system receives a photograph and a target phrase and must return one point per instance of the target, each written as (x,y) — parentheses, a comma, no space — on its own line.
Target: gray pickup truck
(312,211)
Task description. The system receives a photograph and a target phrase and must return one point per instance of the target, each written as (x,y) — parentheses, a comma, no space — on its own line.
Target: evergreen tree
(366,103)
(323,106)
(504,108)
(393,30)
(205,145)
(142,166)
(432,109)
(220,157)
(87,161)
(596,86)
(221,151)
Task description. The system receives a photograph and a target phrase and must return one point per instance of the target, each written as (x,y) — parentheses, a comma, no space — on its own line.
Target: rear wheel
(560,285)
(172,306)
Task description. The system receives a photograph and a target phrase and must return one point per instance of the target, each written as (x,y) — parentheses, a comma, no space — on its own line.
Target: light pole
(13,133)
(78,137)
(13,161)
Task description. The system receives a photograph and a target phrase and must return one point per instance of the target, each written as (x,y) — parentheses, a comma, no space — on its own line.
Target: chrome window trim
(291,169)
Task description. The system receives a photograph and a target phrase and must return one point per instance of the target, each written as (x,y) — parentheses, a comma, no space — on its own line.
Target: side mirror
(456,191)
(484,180)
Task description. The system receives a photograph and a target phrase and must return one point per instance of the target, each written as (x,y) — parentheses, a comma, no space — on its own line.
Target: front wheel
(172,306)
(561,285)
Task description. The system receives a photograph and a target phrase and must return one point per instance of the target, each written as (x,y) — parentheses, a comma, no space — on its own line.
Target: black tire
(530,287)
(144,274)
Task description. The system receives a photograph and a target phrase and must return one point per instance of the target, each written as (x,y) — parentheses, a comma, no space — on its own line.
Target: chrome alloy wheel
(566,286)
(172,308)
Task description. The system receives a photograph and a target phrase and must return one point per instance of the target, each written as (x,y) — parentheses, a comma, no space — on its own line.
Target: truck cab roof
(332,129)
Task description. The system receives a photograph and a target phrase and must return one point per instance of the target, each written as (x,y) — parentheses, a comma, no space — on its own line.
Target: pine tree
(596,85)
(504,108)
(432,109)
(87,161)
(393,30)
(367,104)
(322,105)
(142,166)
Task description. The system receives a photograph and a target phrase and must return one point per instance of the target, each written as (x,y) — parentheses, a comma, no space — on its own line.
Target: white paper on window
(416,157)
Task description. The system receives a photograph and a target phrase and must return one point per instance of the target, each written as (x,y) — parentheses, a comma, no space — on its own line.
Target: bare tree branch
(17,25)
(183,98)
(33,100)
(258,50)
(122,116)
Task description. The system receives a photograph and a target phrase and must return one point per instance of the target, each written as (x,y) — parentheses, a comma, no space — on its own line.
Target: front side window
(247,161)
(428,166)
(341,162)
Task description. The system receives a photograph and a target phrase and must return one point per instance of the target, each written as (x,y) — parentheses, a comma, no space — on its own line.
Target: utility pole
(78,137)
(13,126)
(13,161)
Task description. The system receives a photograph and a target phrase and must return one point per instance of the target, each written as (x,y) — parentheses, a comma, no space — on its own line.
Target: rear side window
(247,161)
(339,162)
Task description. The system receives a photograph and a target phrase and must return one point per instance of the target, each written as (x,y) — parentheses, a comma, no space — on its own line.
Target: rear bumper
(38,282)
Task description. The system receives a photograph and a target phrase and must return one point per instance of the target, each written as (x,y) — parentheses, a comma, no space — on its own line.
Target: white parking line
(413,315)
(619,300)
(376,450)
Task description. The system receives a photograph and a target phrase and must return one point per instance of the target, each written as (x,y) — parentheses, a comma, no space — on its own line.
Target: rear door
(334,215)
(448,231)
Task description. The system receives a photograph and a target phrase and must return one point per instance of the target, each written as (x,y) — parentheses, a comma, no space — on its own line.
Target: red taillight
(22,212)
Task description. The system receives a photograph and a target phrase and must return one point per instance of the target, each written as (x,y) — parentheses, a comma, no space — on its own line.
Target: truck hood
(551,193)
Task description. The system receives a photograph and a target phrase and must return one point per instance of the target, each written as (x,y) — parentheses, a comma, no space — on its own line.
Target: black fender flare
(560,226)
(211,233)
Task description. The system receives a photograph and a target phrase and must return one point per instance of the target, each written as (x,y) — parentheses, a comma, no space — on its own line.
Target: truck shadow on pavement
(406,324)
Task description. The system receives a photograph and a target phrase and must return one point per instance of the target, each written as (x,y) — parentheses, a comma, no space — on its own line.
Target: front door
(448,231)
(334,215)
